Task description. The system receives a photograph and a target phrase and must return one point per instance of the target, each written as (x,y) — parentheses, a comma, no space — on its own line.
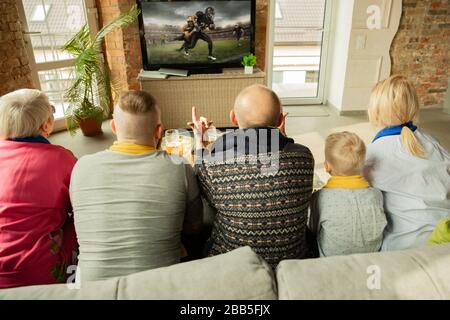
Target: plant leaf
(123,20)
(90,93)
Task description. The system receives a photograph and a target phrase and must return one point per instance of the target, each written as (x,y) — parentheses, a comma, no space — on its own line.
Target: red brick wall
(123,49)
(421,48)
(15,71)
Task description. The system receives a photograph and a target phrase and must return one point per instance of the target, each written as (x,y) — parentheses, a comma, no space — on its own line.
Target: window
(54,82)
(40,13)
(278,14)
(298,49)
(48,25)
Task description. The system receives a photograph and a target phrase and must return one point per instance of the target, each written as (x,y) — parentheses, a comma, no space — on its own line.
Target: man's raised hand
(200,127)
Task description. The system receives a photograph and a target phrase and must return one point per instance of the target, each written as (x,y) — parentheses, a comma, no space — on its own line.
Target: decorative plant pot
(90,127)
(248,69)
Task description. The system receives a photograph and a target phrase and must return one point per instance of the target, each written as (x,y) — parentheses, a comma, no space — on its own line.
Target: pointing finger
(194,115)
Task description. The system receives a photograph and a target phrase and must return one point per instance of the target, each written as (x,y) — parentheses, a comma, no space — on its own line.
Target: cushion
(414,274)
(239,274)
(99,290)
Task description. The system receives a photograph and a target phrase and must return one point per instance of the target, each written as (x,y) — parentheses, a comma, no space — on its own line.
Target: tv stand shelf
(212,94)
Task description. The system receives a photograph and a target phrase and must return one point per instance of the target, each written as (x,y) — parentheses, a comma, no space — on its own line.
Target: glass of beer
(172,143)
(211,136)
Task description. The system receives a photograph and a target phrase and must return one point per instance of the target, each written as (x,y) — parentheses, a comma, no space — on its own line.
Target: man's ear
(112,123)
(280,120)
(233,118)
(159,130)
(328,167)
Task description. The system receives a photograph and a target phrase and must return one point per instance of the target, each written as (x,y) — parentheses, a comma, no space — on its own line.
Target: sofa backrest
(422,273)
(241,275)
(237,275)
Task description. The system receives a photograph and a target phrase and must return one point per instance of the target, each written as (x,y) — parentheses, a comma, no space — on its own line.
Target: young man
(132,202)
(258,180)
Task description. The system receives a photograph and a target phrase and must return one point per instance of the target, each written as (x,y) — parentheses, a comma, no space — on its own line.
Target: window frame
(321,98)
(91,16)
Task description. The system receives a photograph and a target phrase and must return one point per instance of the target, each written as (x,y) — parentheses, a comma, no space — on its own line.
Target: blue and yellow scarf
(394,130)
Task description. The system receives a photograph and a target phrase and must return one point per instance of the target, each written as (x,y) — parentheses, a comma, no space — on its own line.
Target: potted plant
(248,62)
(90,95)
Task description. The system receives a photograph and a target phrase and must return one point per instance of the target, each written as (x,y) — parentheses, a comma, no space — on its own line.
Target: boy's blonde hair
(345,152)
(394,102)
(23,112)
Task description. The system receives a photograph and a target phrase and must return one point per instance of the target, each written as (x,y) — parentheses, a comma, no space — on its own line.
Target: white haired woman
(408,165)
(37,237)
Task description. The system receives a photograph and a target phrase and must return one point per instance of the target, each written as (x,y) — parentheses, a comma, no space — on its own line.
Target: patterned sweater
(261,192)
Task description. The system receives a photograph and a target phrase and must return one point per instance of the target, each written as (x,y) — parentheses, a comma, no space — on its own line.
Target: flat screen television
(196,35)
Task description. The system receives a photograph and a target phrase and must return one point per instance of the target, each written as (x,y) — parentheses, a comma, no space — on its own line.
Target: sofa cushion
(99,290)
(239,274)
(414,274)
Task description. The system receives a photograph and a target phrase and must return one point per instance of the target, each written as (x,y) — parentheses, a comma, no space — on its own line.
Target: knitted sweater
(261,194)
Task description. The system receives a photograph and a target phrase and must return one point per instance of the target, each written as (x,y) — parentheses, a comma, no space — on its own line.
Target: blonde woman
(408,165)
(37,238)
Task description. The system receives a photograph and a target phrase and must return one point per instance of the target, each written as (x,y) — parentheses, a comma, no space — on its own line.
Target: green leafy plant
(249,60)
(90,94)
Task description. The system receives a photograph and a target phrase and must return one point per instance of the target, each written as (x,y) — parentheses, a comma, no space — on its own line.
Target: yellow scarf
(131,148)
(350,182)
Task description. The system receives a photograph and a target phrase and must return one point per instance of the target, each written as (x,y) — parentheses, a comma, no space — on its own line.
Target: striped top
(261,198)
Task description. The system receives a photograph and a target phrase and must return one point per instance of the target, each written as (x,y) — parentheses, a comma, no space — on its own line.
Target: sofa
(422,273)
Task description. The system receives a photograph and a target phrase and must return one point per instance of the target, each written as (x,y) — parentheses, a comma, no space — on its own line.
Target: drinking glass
(172,141)
(211,136)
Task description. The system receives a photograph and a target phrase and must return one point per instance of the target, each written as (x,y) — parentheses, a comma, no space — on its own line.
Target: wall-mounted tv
(196,35)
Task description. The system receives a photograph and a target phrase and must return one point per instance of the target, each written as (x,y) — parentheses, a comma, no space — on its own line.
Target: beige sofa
(241,275)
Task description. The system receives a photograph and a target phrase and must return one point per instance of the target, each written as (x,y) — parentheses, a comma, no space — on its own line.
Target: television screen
(187,34)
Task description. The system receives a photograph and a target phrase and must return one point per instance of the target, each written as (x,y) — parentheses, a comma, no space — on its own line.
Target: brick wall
(421,48)
(123,48)
(15,71)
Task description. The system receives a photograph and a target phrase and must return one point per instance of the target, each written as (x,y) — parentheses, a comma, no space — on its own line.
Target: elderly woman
(37,237)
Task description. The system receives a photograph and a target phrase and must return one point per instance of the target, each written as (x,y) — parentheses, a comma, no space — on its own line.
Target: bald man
(132,202)
(257,106)
(258,180)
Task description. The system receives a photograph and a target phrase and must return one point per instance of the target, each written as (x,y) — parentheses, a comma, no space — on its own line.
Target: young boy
(347,215)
